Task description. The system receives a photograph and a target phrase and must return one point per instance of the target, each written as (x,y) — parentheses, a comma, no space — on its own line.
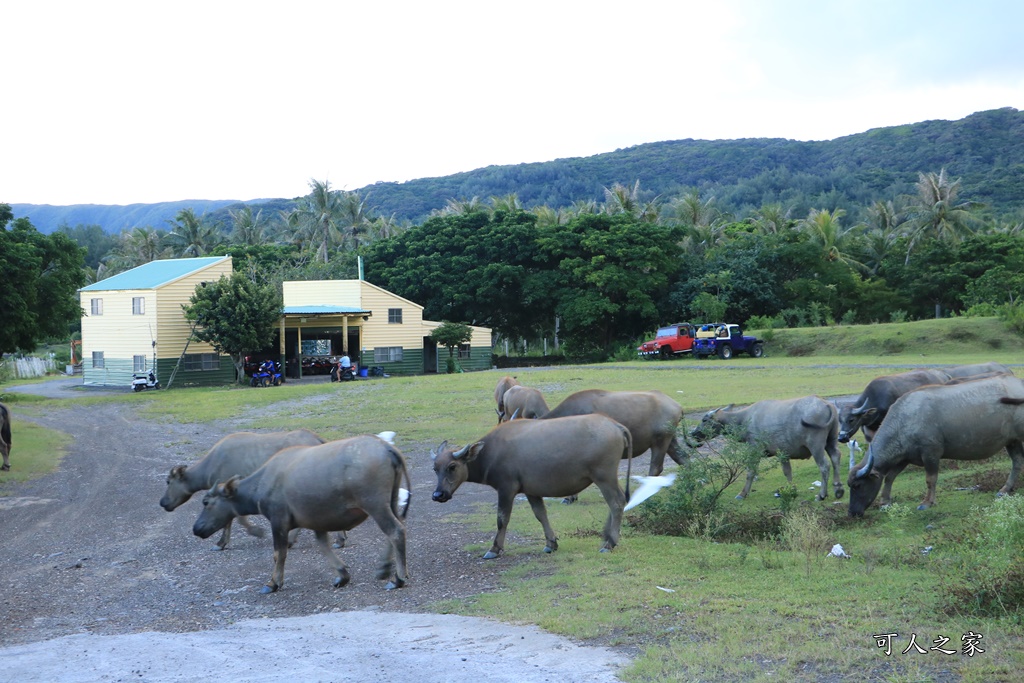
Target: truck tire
(666,352)
(756,351)
(725,351)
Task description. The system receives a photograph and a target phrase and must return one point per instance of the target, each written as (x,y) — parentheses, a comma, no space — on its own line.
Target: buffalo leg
(5,450)
(324,545)
(250,528)
(280,536)
(832,449)
(616,500)
(541,513)
(746,487)
(658,453)
(890,476)
(340,539)
(1016,453)
(505,500)
(931,478)
(225,536)
(394,557)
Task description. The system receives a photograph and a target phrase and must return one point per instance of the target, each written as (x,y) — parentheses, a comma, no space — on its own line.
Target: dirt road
(97,582)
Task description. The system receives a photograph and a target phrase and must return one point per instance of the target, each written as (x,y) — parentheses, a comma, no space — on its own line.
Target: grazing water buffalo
(5,436)
(236,454)
(968,421)
(523,403)
(650,416)
(868,411)
(796,428)
(541,458)
(977,369)
(504,384)
(331,487)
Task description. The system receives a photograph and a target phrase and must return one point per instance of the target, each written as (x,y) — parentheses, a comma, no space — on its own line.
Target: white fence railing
(29,366)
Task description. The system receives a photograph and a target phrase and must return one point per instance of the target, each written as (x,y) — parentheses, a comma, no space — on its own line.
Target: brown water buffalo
(5,436)
(541,458)
(504,384)
(868,411)
(651,417)
(796,428)
(967,421)
(331,487)
(523,403)
(238,454)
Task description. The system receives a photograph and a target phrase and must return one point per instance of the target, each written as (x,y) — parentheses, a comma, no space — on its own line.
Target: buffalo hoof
(605,550)
(392,585)
(739,496)
(5,468)
(569,501)
(342,579)
(218,547)
(268,589)
(548,549)
(923,506)
(839,493)
(490,555)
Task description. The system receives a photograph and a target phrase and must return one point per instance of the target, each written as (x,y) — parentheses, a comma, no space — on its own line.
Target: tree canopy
(40,276)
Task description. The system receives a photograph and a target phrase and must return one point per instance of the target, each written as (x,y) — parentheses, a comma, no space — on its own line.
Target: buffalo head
(218,508)
(853,417)
(452,468)
(864,483)
(177,491)
(708,428)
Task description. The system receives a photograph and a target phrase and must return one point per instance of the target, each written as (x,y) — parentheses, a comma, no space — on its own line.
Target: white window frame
(139,363)
(464,351)
(200,362)
(394,316)
(96,307)
(138,305)
(97,360)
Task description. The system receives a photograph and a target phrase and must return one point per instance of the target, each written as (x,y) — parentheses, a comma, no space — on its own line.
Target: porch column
(298,330)
(344,334)
(281,350)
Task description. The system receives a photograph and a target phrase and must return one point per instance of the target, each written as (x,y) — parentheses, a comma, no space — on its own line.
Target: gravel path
(99,583)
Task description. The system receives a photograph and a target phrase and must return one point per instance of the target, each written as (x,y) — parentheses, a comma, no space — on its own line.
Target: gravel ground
(99,583)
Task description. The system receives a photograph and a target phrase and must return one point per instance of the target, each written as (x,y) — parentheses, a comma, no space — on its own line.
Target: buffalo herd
(298,481)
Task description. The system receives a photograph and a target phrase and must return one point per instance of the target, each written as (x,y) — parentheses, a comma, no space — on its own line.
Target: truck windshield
(667,332)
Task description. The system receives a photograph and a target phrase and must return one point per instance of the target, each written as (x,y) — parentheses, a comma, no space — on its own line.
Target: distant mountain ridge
(985,150)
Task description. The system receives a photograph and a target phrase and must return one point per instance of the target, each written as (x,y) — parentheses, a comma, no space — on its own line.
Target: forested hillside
(984,150)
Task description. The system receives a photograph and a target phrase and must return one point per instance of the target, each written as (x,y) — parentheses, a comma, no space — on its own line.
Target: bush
(899,316)
(987,578)
(804,531)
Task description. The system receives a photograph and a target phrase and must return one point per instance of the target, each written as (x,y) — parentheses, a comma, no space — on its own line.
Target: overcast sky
(128,102)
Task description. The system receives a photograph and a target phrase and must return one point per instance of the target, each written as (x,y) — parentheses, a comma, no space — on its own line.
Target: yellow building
(324,318)
(133,322)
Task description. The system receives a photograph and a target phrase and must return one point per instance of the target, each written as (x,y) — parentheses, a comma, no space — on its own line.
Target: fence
(28,366)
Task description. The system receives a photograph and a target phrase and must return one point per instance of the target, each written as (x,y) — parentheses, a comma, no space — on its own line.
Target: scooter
(141,380)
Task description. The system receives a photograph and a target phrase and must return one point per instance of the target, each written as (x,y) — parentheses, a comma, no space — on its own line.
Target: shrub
(849,318)
(806,532)
(898,316)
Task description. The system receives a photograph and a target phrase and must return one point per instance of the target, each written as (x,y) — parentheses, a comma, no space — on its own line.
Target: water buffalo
(541,458)
(236,454)
(868,411)
(524,403)
(968,421)
(5,436)
(976,370)
(504,384)
(651,417)
(331,487)
(796,428)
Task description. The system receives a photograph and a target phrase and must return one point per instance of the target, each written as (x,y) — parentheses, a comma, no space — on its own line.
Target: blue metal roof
(154,274)
(325,309)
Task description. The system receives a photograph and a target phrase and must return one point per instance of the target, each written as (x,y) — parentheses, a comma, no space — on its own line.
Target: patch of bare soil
(88,550)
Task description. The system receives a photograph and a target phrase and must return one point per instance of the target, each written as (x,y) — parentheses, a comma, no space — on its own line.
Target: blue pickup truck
(725,340)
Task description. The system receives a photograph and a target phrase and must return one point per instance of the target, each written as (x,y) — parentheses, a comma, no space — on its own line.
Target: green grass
(736,611)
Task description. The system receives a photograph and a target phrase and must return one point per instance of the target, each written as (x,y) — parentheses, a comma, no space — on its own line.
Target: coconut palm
(134,247)
(248,228)
(551,218)
(509,203)
(191,236)
(937,213)
(825,227)
(460,207)
(772,219)
(621,199)
(319,219)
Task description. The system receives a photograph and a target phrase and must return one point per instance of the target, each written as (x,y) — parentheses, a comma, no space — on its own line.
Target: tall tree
(191,235)
(134,248)
(321,218)
(41,275)
(938,212)
(236,316)
(836,241)
(248,228)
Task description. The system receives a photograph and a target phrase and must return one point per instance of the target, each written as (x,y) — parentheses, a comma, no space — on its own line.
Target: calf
(504,384)
(523,403)
(5,436)
(331,487)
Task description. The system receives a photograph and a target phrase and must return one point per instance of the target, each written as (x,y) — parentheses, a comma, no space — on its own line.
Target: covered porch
(310,336)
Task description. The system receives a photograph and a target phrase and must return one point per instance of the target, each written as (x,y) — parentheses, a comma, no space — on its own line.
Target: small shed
(133,322)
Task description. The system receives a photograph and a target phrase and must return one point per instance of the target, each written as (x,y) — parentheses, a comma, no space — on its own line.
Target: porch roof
(325,309)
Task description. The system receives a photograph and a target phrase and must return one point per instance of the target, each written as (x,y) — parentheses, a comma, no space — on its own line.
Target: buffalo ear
(469,453)
(178,472)
(231,486)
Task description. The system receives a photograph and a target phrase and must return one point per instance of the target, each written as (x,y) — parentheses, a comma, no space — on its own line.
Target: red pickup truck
(671,340)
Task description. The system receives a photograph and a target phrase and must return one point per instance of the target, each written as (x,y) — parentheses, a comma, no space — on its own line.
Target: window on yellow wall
(395,316)
(95,306)
(138,305)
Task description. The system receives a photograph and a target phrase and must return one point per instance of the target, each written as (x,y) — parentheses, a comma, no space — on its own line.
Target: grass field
(711,608)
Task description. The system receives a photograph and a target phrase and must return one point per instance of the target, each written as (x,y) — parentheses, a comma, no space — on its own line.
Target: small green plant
(788,496)
(898,316)
(849,318)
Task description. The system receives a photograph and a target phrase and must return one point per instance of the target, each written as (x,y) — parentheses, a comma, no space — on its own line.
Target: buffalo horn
(860,409)
(862,472)
(461,452)
(514,414)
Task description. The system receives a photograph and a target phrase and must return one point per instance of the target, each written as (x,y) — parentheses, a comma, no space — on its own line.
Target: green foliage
(40,276)
(451,335)
(235,315)
(806,531)
(987,575)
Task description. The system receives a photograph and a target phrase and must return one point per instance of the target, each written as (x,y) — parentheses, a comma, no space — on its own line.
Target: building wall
(320,292)
(225,374)
(173,329)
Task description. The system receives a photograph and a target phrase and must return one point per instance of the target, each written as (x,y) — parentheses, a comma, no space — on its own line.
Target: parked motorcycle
(142,380)
(267,374)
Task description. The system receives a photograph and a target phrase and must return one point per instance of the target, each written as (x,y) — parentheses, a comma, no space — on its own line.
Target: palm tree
(319,219)
(509,203)
(461,207)
(826,229)
(385,228)
(135,247)
(190,235)
(248,228)
(885,226)
(551,218)
(703,222)
(772,219)
(937,213)
(621,199)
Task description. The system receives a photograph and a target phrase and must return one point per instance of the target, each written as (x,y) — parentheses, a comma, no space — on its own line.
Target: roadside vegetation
(704,587)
